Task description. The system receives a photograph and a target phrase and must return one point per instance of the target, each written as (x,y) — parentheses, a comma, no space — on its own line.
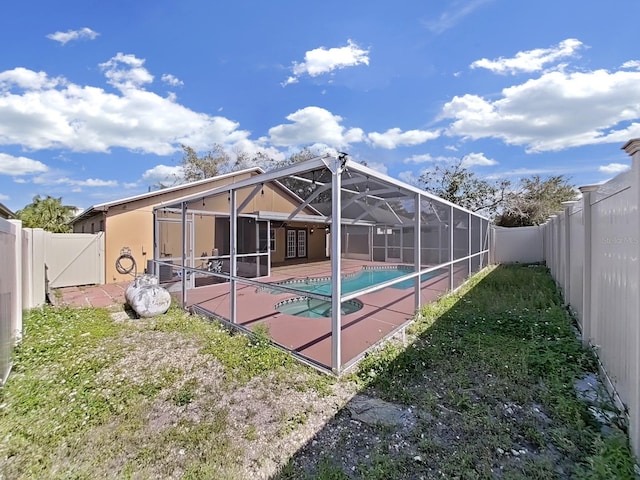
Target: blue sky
(96,97)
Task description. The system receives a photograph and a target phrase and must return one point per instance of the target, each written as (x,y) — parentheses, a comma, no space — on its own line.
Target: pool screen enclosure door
(254,247)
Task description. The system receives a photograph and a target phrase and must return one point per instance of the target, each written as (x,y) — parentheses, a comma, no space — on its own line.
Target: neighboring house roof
(5,212)
(103,207)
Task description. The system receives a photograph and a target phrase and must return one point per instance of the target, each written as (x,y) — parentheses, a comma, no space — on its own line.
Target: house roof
(103,207)
(5,212)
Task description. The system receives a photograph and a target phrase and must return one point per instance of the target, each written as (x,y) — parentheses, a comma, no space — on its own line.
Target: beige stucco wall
(316,246)
(130,225)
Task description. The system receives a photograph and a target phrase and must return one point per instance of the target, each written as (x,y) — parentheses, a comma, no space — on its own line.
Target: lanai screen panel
(435,232)
(379,230)
(485,241)
(476,243)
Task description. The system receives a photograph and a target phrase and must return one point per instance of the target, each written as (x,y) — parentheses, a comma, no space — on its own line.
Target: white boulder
(141,281)
(146,297)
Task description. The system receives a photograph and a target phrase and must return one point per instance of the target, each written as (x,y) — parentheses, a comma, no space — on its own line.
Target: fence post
(568,208)
(553,244)
(16,301)
(587,286)
(632,147)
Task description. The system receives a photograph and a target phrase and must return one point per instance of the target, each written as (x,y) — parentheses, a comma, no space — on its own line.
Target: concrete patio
(384,312)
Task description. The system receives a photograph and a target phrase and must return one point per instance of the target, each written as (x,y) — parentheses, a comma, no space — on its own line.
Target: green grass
(490,368)
(79,399)
(489,371)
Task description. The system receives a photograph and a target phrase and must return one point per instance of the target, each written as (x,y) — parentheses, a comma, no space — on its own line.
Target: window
(291,243)
(302,243)
(101,226)
(93,227)
(272,239)
(83,228)
(296,243)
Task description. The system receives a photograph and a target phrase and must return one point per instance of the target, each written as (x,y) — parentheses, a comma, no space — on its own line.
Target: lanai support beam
(233,260)
(183,224)
(336,264)
(417,249)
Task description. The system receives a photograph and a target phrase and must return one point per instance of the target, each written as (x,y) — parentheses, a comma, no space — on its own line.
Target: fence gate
(74,259)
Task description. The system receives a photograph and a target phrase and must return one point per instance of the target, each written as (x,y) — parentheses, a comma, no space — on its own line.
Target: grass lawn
(485,378)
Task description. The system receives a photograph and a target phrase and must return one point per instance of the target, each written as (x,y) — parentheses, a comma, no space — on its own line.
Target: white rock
(150,300)
(141,281)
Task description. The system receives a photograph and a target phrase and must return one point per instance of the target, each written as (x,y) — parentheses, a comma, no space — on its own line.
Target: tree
(208,165)
(299,187)
(535,201)
(48,213)
(455,183)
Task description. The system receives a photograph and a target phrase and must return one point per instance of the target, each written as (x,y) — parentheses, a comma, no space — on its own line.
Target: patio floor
(384,312)
(110,295)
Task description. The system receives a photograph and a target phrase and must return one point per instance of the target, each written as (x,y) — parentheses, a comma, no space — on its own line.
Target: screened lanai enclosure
(328,255)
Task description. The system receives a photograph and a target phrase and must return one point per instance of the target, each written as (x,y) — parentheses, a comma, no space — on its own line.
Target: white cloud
(631,64)
(526,172)
(452,17)
(4,197)
(55,178)
(10,165)
(554,112)
(394,137)
(171,80)
(322,60)
(94,182)
(27,79)
(614,168)
(40,112)
(126,72)
(468,161)
(531,60)
(427,158)
(64,37)
(163,174)
(477,160)
(314,125)
(378,167)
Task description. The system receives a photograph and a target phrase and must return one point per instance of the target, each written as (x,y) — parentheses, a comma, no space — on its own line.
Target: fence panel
(518,245)
(576,270)
(10,293)
(598,267)
(614,294)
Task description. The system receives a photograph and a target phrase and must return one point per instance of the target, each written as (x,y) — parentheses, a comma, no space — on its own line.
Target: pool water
(364,279)
(313,308)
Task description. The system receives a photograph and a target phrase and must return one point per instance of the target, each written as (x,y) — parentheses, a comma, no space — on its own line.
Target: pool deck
(384,312)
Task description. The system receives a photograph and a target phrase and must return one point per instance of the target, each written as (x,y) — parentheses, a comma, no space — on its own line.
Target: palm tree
(47,213)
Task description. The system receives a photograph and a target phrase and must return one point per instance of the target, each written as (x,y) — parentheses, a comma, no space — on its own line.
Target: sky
(96,98)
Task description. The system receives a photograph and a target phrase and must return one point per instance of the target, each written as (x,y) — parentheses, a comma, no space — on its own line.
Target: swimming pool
(366,278)
(314,308)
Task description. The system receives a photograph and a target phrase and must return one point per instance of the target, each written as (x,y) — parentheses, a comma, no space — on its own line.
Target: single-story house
(128,226)
(5,212)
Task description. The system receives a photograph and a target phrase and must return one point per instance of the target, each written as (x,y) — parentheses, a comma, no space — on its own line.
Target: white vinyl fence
(593,252)
(516,245)
(33,261)
(10,293)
